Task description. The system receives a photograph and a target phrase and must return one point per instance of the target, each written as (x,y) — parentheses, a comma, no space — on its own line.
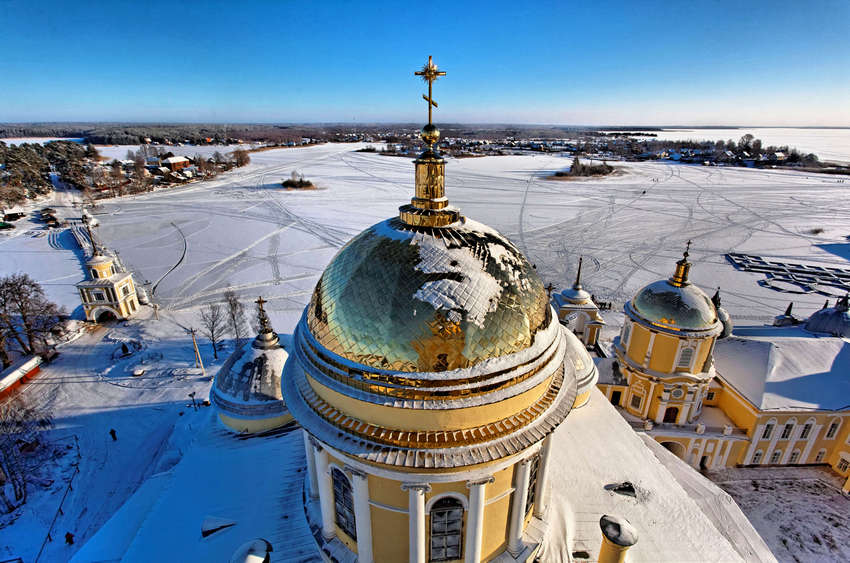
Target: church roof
(786,368)
(834,321)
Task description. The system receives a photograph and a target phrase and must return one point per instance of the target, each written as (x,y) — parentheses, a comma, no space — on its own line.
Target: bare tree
(213,325)
(25,312)
(235,316)
(241,157)
(20,423)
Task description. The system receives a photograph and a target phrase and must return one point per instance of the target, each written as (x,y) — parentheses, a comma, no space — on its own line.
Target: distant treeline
(134,134)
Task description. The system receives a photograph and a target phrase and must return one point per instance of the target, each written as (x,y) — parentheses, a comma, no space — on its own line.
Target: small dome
(576,296)
(420,299)
(831,320)
(684,307)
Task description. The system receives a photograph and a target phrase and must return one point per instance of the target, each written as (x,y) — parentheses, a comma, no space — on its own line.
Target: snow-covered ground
(88,390)
(799,511)
(119,152)
(828,144)
(40,140)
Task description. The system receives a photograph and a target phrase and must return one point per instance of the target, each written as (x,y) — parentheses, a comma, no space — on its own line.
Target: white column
(326,494)
(540,495)
(475,519)
(362,514)
(726,454)
(649,349)
(311,465)
(662,408)
(518,507)
(753,443)
(810,441)
(416,517)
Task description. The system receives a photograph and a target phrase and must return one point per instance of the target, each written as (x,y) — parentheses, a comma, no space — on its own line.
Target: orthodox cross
(429,74)
(687,249)
(260,302)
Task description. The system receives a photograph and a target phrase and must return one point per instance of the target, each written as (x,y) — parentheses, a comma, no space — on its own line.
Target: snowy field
(243,231)
(119,152)
(799,511)
(828,144)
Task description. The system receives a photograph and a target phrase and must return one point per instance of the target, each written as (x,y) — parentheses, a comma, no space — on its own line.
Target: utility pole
(199,363)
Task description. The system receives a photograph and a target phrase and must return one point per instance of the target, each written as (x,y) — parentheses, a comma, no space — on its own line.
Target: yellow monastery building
(762,396)
(107,293)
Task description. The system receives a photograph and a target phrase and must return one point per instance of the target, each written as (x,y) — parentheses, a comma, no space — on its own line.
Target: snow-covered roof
(595,447)
(255,482)
(786,368)
(175,159)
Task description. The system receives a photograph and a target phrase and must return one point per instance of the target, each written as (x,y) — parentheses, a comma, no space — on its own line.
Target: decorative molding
(424,487)
(486,480)
(354,472)
(388,507)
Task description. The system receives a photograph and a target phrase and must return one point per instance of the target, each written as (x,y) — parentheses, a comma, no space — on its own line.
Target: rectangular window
(99,296)
(807,428)
(685,358)
(636,401)
(774,458)
(125,291)
(768,430)
(710,396)
(532,483)
(786,431)
(820,456)
(833,428)
(843,465)
(627,331)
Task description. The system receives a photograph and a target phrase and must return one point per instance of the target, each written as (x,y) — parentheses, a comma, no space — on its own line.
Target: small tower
(577,311)
(107,294)
(665,348)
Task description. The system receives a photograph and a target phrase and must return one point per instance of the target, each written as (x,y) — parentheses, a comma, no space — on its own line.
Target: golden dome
(676,303)
(405,298)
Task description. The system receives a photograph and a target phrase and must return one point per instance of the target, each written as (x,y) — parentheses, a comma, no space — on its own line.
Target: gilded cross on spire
(260,302)
(429,74)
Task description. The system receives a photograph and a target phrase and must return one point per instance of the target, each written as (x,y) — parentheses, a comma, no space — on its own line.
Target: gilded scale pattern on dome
(387,301)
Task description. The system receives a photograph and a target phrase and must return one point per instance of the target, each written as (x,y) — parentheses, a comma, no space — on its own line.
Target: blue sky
(665,63)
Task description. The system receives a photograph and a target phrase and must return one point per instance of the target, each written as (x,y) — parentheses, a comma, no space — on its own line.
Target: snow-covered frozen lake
(243,231)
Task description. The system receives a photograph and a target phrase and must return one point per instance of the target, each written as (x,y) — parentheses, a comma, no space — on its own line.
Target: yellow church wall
(388,528)
(496,522)
(423,420)
(703,351)
(736,408)
(638,343)
(664,349)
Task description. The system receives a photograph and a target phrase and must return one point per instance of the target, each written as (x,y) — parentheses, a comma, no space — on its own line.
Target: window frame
(795,457)
(343,501)
(806,431)
(832,431)
(787,430)
(821,456)
(533,475)
(767,431)
(691,355)
(639,399)
(443,507)
(757,457)
(842,465)
(775,457)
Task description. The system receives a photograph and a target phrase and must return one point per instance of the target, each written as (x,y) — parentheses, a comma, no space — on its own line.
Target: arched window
(774,457)
(686,356)
(94,273)
(343,503)
(787,429)
(833,429)
(820,456)
(795,456)
(757,457)
(446,529)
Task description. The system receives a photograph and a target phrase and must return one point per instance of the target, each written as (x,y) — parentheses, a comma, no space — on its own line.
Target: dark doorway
(615,398)
(671,414)
(105,316)
(703,463)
